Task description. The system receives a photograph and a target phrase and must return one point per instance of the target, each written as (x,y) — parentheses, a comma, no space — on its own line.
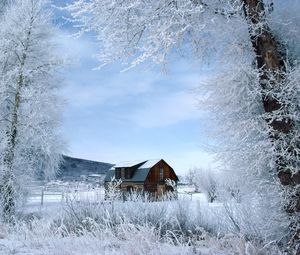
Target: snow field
(82,224)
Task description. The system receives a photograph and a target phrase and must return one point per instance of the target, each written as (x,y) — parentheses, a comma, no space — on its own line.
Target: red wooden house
(147,176)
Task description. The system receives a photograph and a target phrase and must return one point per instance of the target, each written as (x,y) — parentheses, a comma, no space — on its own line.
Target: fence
(41,194)
(48,195)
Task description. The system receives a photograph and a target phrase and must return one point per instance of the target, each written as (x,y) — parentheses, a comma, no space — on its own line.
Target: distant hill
(72,168)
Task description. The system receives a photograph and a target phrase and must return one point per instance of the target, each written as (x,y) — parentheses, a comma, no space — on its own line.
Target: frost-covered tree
(192,179)
(204,180)
(256,96)
(29,102)
(208,183)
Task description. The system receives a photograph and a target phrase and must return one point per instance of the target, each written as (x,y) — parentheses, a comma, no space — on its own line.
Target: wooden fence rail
(44,196)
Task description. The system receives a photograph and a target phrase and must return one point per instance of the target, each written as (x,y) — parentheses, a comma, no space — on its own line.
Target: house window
(122,173)
(128,173)
(161,174)
(118,173)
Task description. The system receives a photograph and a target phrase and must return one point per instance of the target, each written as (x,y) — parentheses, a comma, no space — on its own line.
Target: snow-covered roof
(150,163)
(128,163)
(145,163)
(141,172)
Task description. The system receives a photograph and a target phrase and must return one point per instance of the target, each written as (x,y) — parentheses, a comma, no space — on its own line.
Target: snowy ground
(133,242)
(44,200)
(130,237)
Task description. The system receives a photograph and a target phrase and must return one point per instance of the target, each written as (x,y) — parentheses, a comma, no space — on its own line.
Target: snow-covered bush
(185,218)
(125,239)
(182,226)
(112,189)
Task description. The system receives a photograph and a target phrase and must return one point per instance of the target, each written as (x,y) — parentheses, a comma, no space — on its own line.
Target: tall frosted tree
(29,100)
(255,98)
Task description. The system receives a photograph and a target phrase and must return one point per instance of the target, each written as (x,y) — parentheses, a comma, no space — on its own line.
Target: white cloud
(74,48)
(190,159)
(100,93)
(165,106)
(166,109)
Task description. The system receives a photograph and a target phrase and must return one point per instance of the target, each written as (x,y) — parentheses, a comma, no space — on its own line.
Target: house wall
(124,172)
(154,182)
(154,174)
(135,186)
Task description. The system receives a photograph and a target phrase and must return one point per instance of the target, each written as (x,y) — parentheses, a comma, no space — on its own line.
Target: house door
(160,190)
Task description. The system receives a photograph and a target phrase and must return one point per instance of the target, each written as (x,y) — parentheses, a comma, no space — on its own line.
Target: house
(145,176)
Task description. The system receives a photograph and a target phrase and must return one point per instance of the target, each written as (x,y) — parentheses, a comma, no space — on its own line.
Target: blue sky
(139,114)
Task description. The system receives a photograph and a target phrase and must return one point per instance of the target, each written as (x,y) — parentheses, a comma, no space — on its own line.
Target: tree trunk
(270,62)
(7,189)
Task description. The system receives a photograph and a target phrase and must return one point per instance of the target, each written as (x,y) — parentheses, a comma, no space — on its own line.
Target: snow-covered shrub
(173,191)
(125,239)
(177,226)
(182,217)
(112,190)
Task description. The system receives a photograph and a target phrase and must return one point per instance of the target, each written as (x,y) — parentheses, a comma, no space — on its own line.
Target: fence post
(42,197)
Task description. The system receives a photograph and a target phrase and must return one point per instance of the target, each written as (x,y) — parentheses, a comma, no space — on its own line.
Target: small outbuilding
(144,176)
